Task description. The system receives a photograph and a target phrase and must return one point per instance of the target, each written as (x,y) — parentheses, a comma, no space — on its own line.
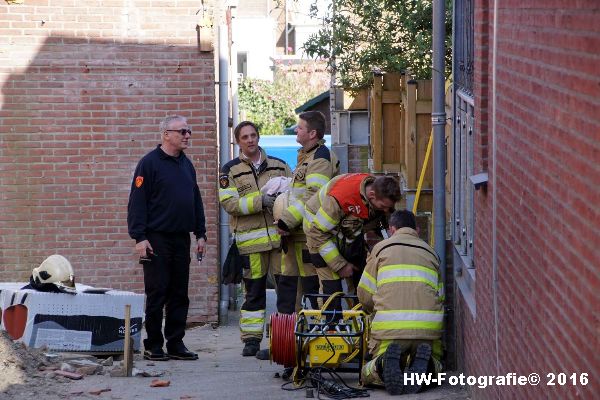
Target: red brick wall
(358,158)
(547,188)
(84,86)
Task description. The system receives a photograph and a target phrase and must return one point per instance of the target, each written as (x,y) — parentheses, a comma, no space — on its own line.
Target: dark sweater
(165,197)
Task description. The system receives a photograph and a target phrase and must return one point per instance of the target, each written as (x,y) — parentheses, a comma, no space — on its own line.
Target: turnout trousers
(256,267)
(295,264)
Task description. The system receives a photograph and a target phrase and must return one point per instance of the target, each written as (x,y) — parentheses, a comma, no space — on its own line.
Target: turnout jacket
(401,285)
(315,168)
(337,212)
(240,196)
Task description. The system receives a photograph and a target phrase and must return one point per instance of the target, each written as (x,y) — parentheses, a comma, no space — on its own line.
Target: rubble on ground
(28,372)
(22,372)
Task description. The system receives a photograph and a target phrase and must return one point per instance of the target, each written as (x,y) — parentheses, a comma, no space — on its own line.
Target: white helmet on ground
(280,204)
(55,270)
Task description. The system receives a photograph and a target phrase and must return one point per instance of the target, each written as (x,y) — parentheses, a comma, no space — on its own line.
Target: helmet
(55,270)
(280,204)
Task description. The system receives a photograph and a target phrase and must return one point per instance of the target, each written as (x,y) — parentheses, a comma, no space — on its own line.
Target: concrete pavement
(220,373)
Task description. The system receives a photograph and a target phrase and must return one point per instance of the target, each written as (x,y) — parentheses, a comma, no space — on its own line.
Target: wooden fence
(400,126)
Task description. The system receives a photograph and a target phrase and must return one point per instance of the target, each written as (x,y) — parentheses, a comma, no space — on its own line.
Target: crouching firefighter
(402,289)
(255,234)
(334,219)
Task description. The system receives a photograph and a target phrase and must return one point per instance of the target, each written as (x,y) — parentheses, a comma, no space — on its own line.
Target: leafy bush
(270,105)
(386,35)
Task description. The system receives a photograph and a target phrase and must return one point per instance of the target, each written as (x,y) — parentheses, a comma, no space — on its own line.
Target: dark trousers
(331,287)
(256,294)
(166,284)
(287,288)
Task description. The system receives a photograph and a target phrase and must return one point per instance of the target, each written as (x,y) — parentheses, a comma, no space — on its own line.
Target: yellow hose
(420,185)
(422,176)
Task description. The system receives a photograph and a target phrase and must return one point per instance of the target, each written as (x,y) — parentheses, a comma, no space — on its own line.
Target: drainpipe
(438,121)
(224,157)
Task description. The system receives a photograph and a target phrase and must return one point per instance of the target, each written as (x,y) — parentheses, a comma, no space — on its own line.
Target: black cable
(328,387)
(331,388)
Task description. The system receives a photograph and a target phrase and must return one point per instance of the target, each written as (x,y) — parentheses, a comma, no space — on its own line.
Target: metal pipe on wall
(224,157)
(438,121)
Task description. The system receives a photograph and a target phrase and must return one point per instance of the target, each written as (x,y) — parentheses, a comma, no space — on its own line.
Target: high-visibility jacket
(401,285)
(315,168)
(337,212)
(239,194)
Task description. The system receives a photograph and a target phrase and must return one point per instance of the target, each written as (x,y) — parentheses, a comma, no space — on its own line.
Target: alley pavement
(220,373)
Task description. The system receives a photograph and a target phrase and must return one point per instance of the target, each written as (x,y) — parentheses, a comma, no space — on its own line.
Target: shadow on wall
(73,125)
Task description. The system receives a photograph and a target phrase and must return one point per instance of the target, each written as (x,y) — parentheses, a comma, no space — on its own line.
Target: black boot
(251,347)
(418,366)
(263,354)
(392,371)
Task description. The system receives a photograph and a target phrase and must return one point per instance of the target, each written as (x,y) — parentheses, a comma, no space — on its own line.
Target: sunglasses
(183,131)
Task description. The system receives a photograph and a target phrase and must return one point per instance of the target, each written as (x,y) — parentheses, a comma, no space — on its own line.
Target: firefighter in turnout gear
(316,166)
(334,219)
(252,222)
(401,287)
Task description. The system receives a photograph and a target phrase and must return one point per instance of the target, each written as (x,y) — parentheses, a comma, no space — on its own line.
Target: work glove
(267,201)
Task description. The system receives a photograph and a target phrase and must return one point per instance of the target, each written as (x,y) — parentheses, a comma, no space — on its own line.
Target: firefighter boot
(418,366)
(392,370)
(264,354)
(251,347)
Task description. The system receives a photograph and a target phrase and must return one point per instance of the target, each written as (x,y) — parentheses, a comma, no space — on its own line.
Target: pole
(128,348)
(438,121)
(223,158)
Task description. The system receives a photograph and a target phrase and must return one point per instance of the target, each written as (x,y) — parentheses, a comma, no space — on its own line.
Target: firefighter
(252,222)
(316,166)
(334,219)
(402,289)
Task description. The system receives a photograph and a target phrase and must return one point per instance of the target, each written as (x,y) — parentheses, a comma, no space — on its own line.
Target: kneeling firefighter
(401,287)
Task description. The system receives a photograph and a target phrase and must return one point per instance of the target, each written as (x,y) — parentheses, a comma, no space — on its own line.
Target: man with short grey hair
(164,207)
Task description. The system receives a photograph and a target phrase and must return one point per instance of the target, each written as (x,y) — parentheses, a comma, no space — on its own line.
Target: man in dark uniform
(164,207)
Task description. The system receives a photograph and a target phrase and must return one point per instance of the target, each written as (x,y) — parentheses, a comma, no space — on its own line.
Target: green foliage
(362,36)
(270,105)
(263,106)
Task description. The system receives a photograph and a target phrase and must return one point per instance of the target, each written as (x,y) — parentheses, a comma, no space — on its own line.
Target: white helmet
(55,270)
(280,204)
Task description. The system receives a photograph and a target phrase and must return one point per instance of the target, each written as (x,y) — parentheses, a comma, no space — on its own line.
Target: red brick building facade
(529,302)
(84,86)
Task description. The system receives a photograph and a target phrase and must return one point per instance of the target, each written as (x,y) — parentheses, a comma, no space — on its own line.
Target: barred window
(463,132)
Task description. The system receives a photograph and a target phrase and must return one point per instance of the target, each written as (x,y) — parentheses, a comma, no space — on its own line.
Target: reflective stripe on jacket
(401,285)
(315,168)
(239,194)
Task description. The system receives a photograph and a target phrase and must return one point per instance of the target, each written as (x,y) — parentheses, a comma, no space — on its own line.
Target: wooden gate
(400,126)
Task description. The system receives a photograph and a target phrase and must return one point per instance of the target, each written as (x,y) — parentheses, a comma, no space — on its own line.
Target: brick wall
(358,158)
(547,190)
(84,86)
